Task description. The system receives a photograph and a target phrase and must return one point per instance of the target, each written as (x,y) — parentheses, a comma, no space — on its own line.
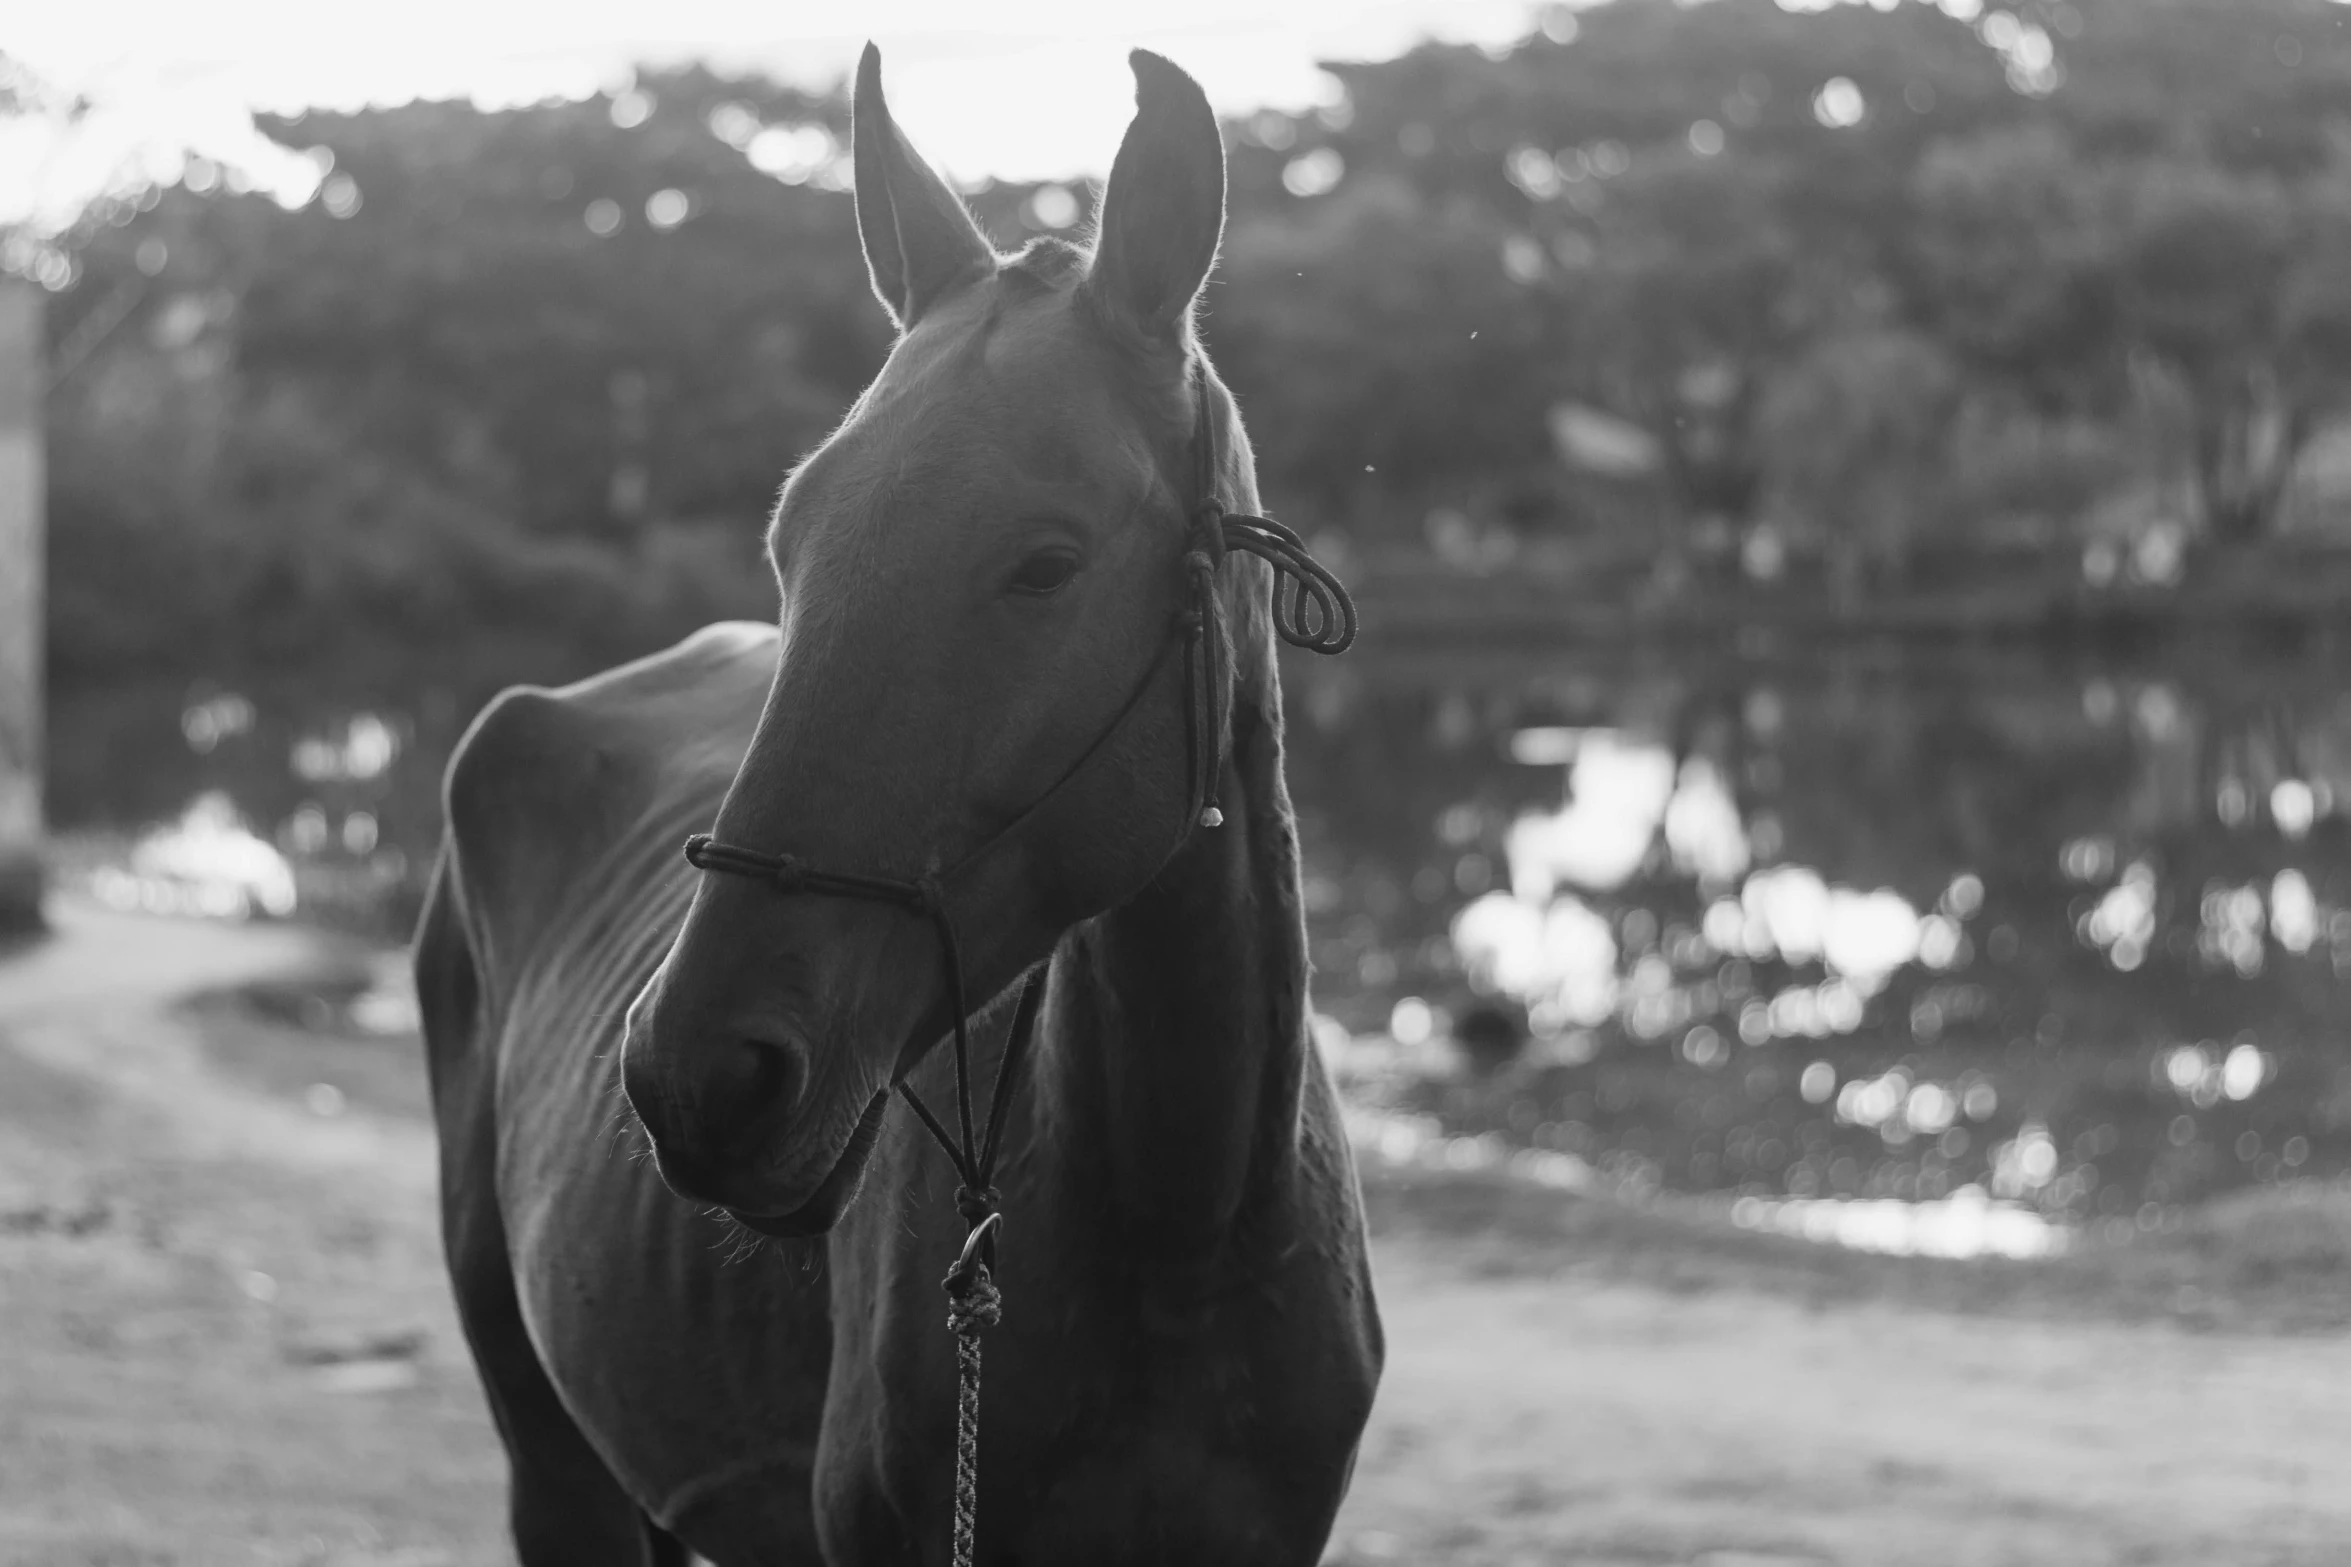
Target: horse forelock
(1048,262)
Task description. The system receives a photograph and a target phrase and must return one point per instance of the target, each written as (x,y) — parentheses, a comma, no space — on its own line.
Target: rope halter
(1317,616)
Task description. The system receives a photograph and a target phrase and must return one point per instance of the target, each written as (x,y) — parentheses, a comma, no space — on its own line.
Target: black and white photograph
(1453,782)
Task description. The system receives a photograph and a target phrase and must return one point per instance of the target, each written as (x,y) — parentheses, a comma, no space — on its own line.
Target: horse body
(1180,1310)
(1190,1344)
(557,896)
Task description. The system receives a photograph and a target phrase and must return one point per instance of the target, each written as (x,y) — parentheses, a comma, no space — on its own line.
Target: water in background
(2071,934)
(2067,934)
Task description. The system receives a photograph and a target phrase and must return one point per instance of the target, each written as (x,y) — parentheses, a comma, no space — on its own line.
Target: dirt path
(1536,1422)
(227,1341)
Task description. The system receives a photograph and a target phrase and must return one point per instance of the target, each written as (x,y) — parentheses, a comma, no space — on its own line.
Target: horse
(660,1093)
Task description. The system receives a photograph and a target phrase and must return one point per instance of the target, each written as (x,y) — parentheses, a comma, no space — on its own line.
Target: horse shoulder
(546,781)
(529,784)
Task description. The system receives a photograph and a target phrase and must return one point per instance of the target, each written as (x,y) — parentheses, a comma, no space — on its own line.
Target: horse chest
(695,1367)
(1121,1421)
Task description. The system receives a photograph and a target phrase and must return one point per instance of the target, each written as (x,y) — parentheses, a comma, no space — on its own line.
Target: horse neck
(1178,1038)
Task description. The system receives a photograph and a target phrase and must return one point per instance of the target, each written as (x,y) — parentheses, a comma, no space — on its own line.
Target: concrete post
(21,600)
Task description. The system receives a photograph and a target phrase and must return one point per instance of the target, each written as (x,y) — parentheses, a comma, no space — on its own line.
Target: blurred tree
(1855,438)
(2069,283)
(2313,364)
(363,454)
(2202,256)
(1664,185)
(214,533)
(2012,262)
(528,270)
(1683,295)
(510,397)
(1370,387)
(2256,85)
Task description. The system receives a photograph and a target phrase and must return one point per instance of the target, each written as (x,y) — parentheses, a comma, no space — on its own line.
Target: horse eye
(1047,571)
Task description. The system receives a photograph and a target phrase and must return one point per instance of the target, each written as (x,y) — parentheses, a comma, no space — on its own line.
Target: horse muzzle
(736,1118)
(823,1208)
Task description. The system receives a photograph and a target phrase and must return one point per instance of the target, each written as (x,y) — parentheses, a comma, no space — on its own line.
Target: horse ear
(920,242)
(1163,211)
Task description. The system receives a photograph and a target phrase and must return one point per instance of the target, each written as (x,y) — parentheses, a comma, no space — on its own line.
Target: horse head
(979,573)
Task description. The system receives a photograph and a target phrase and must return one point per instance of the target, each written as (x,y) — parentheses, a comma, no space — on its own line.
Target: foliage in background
(510,398)
(1691,203)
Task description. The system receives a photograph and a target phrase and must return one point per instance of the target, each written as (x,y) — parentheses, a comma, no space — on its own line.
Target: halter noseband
(1317,616)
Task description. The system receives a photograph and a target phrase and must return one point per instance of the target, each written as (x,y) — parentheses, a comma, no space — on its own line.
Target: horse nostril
(771,1080)
(719,1108)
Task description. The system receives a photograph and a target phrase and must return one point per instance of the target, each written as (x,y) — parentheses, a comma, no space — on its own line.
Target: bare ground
(224,1338)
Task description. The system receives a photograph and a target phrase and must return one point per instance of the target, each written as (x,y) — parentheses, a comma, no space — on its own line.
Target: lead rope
(973,1302)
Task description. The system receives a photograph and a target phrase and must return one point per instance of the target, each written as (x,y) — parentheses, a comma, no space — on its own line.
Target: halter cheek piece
(1318,616)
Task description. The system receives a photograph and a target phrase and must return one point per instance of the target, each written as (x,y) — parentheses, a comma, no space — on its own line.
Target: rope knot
(972,1300)
(929,897)
(789,874)
(973,1303)
(1208,532)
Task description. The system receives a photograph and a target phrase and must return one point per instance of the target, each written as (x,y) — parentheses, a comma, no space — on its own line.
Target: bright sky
(1011,88)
